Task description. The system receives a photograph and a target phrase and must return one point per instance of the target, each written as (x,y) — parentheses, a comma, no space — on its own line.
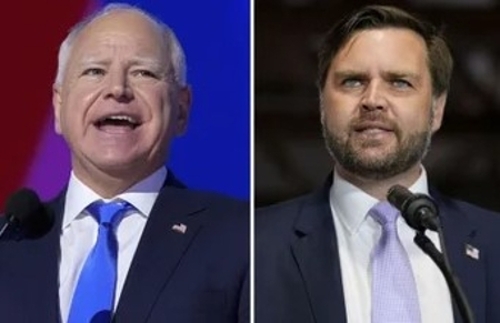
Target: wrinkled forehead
(123,30)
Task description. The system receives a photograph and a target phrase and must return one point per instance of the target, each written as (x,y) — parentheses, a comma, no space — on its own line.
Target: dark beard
(410,151)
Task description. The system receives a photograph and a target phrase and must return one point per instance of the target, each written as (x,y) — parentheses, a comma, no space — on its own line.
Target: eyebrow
(153,63)
(145,61)
(342,74)
(401,74)
(349,73)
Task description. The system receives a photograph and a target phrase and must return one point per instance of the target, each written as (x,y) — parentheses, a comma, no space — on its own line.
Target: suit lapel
(458,233)
(159,251)
(316,252)
(53,254)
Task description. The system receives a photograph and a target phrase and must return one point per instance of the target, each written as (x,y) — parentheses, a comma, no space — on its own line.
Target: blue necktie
(394,291)
(93,298)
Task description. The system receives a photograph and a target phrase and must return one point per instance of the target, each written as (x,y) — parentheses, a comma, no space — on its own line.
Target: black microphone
(25,213)
(419,210)
(421,213)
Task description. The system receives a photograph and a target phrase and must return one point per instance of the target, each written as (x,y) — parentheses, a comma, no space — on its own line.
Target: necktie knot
(384,213)
(108,214)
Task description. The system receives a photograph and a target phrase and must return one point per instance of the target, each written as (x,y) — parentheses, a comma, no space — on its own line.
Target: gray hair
(174,48)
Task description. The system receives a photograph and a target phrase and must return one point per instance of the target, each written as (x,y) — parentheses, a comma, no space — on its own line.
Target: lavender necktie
(394,292)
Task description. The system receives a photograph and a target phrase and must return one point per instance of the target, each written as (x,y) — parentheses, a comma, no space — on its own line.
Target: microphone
(421,213)
(419,210)
(25,213)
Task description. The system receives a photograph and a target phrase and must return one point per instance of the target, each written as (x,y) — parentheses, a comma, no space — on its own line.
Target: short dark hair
(439,57)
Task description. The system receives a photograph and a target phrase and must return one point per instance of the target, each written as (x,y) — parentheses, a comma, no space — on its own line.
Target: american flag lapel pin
(180,228)
(472,252)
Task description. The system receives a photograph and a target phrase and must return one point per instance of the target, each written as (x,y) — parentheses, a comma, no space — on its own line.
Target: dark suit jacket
(297,266)
(200,276)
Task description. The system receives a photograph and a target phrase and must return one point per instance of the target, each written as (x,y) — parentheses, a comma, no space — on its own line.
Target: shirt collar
(142,195)
(351,204)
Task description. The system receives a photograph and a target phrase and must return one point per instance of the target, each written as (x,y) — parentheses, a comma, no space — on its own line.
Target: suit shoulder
(274,224)
(486,223)
(282,211)
(220,207)
(217,199)
(474,212)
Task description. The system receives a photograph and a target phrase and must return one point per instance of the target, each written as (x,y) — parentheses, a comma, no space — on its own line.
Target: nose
(374,97)
(118,86)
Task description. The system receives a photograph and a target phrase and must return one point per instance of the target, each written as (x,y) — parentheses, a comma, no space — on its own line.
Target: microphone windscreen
(399,196)
(22,205)
(25,211)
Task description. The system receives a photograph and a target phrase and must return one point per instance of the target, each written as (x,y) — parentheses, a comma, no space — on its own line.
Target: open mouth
(372,127)
(373,130)
(119,121)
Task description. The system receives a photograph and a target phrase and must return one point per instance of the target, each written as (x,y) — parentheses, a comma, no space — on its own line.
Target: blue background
(214,154)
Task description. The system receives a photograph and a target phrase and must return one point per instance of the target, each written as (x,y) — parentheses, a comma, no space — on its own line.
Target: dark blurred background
(290,158)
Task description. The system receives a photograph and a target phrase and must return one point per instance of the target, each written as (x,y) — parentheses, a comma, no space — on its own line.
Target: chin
(375,155)
(112,165)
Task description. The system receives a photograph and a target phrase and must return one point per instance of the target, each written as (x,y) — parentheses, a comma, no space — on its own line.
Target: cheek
(86,94)
(336,116)
(341,105)
(154,104)
(336,124)
(153,97)
(167,105)
(75,109)
(415,115)
(158,108)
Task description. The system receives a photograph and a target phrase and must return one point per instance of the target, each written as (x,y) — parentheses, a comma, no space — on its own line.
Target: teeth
(122,118)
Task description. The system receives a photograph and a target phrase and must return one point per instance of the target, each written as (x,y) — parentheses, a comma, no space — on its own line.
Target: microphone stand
(443,263)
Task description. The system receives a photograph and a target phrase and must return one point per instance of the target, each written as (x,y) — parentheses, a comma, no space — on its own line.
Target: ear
(184,109)
(57,102)
(438,104)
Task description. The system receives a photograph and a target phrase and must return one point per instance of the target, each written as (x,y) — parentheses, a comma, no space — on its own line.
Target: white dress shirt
(357,235)
(79,232)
